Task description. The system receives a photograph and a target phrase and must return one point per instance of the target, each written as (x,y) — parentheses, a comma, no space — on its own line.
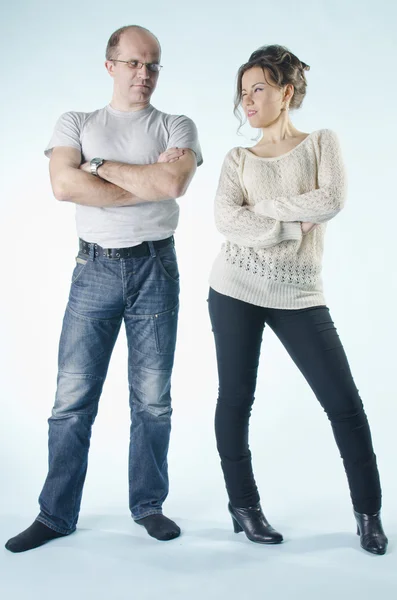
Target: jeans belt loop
(152,249)
(91,252)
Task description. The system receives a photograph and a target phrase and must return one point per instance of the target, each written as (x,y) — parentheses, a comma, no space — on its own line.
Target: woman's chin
(257,124)
(254,122)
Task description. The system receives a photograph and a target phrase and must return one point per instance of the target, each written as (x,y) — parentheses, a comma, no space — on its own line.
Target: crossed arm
(120,184)
(274,220)
(237,222)
(318,205)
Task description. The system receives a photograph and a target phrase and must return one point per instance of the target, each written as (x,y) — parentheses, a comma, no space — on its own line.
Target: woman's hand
(307,227)
(171,155)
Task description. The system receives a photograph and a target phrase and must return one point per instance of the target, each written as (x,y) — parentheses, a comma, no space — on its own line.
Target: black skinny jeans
(312,341)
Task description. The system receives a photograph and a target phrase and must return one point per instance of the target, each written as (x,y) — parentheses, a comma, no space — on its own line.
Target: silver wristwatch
(95,163)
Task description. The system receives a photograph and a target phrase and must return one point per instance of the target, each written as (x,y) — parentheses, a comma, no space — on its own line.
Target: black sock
(159,527)
(34,536)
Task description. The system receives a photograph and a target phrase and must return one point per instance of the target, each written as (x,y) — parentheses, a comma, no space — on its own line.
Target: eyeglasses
(137,64)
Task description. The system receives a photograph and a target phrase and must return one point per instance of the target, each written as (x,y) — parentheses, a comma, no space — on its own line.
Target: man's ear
(109,66)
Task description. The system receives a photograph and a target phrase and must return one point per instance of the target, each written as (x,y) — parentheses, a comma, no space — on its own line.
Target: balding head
(137,34)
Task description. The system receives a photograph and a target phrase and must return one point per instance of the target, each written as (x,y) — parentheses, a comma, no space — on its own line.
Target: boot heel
(253,522)
(370,530)
(237,527)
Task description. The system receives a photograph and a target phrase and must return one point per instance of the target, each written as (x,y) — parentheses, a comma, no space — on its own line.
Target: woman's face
(261,101)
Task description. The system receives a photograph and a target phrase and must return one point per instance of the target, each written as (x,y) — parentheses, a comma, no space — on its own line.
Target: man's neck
(127,107)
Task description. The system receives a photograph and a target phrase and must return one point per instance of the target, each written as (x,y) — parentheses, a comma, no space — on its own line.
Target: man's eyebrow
(156,60)
(262,82)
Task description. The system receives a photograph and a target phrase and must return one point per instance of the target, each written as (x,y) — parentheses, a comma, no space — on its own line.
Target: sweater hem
(232,281)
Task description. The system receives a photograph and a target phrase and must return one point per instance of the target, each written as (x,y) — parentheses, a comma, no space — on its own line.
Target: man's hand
(86,167)
(171,155)
(70,182)
(307,227)
(154,182)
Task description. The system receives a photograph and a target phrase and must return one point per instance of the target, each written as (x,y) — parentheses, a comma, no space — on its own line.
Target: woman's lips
(251,113)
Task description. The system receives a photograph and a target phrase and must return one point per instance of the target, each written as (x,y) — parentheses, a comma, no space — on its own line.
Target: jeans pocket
(81,264)
(168,263)
(165,330)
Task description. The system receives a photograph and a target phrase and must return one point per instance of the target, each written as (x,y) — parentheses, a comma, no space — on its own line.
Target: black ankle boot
(370,530)
(254,524)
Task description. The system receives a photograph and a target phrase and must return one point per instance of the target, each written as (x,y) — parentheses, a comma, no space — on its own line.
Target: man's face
(133,85)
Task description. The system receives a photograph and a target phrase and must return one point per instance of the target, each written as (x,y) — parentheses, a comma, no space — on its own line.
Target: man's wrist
(99,169)
(95,164)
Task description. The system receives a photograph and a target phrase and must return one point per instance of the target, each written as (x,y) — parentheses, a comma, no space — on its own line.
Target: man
(123,166)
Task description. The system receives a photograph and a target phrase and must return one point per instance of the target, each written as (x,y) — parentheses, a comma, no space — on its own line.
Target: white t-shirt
(135,138)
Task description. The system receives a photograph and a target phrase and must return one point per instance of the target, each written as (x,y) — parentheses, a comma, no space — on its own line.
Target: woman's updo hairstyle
(283,68)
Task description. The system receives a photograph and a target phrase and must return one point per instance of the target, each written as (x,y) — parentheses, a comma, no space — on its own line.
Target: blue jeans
(144,292)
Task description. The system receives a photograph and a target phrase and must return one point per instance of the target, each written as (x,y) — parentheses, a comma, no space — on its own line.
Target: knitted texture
(259,206)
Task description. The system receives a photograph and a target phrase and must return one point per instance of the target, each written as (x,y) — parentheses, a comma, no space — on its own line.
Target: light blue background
(52,61)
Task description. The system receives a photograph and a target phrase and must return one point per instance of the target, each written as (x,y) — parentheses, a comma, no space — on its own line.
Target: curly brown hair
(282,66)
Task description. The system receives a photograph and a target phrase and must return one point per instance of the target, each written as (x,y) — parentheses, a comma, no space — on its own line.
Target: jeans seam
(137,404)
(151,371)
(54,527)
(91,319)
(155,327)
(72,414)
(164,270)
(80,272)
(83,375)
(147,514)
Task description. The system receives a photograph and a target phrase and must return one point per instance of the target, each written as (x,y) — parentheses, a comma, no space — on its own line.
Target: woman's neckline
(271,158)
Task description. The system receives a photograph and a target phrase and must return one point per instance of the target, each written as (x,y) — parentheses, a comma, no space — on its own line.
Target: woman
(272,205)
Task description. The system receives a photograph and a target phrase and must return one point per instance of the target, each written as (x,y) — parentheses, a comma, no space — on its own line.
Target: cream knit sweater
(259,205)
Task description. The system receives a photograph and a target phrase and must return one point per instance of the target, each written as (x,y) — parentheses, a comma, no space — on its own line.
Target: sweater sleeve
(321,204)
(239,224)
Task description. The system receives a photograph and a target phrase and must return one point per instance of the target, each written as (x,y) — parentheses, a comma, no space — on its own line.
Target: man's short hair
(112,48)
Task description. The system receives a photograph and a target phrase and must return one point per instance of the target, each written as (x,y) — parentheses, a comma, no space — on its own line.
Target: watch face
(97,161)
